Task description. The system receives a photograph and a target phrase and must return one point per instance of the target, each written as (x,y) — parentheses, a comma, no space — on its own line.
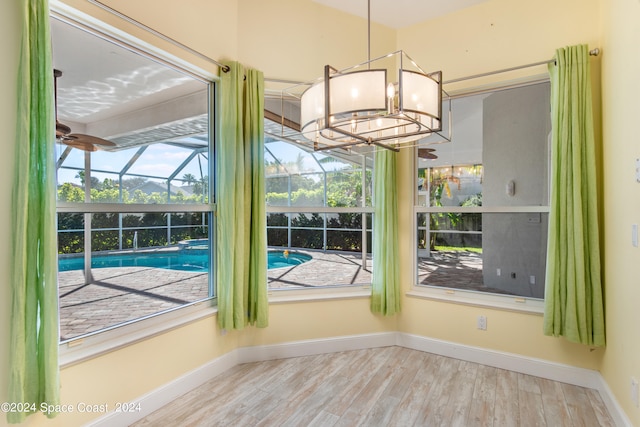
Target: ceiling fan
(75,140)
(427,153)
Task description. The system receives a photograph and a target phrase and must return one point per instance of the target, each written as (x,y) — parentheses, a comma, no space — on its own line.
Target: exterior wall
(515,147)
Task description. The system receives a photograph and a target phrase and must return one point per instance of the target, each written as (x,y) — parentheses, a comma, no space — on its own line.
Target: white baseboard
(161,396)
(511,362)
(614,408)
(318,346)
(525,365)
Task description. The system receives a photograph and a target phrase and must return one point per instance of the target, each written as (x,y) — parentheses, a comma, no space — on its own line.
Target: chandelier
(372,105)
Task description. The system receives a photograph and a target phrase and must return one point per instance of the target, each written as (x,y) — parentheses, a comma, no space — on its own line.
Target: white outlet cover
(482,323)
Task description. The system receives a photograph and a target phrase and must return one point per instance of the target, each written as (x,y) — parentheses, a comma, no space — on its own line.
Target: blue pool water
(188,260)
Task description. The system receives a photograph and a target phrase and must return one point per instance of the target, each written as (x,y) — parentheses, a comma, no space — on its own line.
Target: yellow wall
(620,71)
(314,320)
(498,34)
(9,34)
(291,39)
(493,35)
(206,26)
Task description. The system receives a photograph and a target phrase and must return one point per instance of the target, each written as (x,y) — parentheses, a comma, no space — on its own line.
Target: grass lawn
(458,249)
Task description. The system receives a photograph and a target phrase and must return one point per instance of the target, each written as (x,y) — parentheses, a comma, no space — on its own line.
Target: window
(319,215)
(134,216)
(482,203)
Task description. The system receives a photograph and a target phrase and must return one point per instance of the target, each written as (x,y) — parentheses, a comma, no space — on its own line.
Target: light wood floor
(390,386)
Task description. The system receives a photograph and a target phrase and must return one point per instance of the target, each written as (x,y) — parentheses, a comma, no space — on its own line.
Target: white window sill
(479,299)
(285,296)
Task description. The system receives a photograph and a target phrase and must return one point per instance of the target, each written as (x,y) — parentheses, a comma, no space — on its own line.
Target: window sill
(287,296)
(88,347)
(478,299)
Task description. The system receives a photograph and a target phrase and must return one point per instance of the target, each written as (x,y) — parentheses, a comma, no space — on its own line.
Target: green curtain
(241,214)
(573,293)
(385,282)
(34,371)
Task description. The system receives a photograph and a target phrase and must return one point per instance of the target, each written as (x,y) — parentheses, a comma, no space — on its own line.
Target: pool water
(188,260)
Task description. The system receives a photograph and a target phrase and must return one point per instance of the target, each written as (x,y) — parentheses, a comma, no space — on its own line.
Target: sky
(159,160)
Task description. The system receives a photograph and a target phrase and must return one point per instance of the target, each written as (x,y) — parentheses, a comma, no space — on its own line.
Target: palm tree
(189,178)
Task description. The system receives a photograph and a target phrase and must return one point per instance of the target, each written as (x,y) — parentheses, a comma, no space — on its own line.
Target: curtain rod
(224,68)
(592,52)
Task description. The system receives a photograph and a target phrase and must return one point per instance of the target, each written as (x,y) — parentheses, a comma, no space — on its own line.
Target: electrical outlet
(498,272)
(482,323)
(534,218)
(532,280)
(634,392)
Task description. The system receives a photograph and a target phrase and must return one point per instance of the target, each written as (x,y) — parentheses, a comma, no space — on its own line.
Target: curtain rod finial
(594,52)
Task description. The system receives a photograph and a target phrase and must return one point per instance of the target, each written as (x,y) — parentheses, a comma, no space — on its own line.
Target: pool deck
(324,269)
(457,270)
(118,295)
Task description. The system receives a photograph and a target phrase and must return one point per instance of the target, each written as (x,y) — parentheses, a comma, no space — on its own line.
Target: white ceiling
(111,92)
(101,79)
(400,13)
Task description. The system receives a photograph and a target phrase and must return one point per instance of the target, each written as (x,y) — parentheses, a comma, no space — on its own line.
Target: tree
(67,192)
(131,183)
(95,182)
(189,178)
(201,186)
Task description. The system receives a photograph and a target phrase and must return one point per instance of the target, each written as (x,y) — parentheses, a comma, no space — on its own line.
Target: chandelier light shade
(372,106)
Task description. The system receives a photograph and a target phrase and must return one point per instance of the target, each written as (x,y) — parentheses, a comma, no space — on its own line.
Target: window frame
(289,210)
(463,296)
(93,344)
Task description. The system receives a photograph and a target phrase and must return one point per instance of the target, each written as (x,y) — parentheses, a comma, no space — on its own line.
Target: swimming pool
(188,260)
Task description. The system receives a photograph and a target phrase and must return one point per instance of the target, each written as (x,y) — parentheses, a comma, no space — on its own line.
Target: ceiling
(400,13)
(115,93)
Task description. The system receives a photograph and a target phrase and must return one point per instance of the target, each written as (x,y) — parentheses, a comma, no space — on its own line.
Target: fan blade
(80,145)
(89,139)
(62,129)
(427,153)
(76,140)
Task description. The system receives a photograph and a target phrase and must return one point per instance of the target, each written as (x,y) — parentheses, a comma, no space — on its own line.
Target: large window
(319,216)
(134,186)
(482,202)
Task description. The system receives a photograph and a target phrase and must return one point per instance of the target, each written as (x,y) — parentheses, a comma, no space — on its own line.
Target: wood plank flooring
(389,386)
